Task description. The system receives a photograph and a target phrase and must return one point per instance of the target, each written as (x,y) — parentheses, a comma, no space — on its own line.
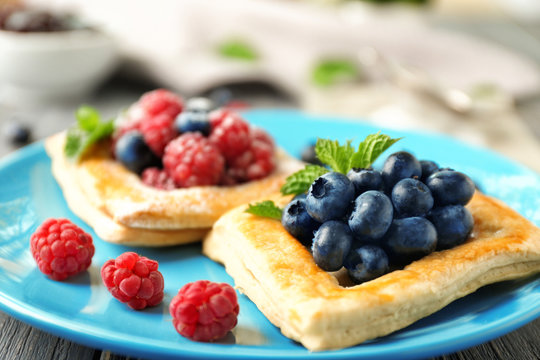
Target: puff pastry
(309,305)
(121,209)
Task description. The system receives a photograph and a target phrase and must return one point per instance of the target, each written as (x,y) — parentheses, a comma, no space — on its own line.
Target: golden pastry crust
(119,194)
(104,226)
(310,306)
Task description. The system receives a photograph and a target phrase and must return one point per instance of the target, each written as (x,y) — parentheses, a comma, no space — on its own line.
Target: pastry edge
(321,323)
(104,226)
(139,206)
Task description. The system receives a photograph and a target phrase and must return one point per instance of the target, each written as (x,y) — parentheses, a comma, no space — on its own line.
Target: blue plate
(82,310)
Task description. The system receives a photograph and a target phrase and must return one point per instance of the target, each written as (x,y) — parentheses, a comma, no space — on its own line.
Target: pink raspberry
(153,115)
(261,135)
(204,310)
(61,248)
(230,135)
(157,178)
(216,117)
(158,131)
(161,101)
(263,160)
(254,163)
(134,280)
(192,160)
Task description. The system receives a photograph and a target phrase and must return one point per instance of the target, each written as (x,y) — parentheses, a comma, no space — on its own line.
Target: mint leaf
(73,142)
(101,131)
(87,117)
(88,130)
(337,156)
(237,49)
(300,181)
(370,149)
(330,72)
(265,208)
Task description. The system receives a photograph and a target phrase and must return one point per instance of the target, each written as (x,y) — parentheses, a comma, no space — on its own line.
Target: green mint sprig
(336,157)
(300,181)
(339,158)
(88,130)
(266,208)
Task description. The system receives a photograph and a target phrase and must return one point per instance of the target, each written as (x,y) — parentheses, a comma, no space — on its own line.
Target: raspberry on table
(204,310)
(158,131)
(61,248)
(231,136)
(192,160)
(134,280)
(157,178)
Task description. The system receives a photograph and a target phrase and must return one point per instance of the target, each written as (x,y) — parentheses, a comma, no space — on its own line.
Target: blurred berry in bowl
(51,56)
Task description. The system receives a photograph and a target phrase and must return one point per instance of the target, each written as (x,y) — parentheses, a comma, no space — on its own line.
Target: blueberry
(371,216)
(17,133)
(454,223)
(411,197)
(134,153)
(428,167)
(199,104)
(450,188)
(409,239)
(192,121)
(308,155)
(331,244)
(399,166)
(366,263)
(298,223)
(365,179)
(330,197)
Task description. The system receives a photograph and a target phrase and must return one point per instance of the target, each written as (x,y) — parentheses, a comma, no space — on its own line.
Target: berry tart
(360,253)
(164,171)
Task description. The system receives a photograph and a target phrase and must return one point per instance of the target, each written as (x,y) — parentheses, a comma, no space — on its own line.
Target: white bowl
(54,65)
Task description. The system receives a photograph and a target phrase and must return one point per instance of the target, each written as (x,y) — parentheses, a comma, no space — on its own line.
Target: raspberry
(161,101)
(204,310)
(153,115)
(134,280)
(259,134)
(255,163)
(230,135)
(216,117)
(61,248)
(157,178)
(263,160)
(192,160)
(158,131)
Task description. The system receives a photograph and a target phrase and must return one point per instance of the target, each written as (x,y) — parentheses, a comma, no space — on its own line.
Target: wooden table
(21,341)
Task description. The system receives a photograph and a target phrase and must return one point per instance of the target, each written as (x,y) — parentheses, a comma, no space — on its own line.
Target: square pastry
(122,209)
(310,305)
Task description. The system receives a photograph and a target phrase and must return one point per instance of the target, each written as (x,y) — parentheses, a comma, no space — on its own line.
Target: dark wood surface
(21,341)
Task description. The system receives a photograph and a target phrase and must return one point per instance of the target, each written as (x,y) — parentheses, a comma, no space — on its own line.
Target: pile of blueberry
(372,222)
